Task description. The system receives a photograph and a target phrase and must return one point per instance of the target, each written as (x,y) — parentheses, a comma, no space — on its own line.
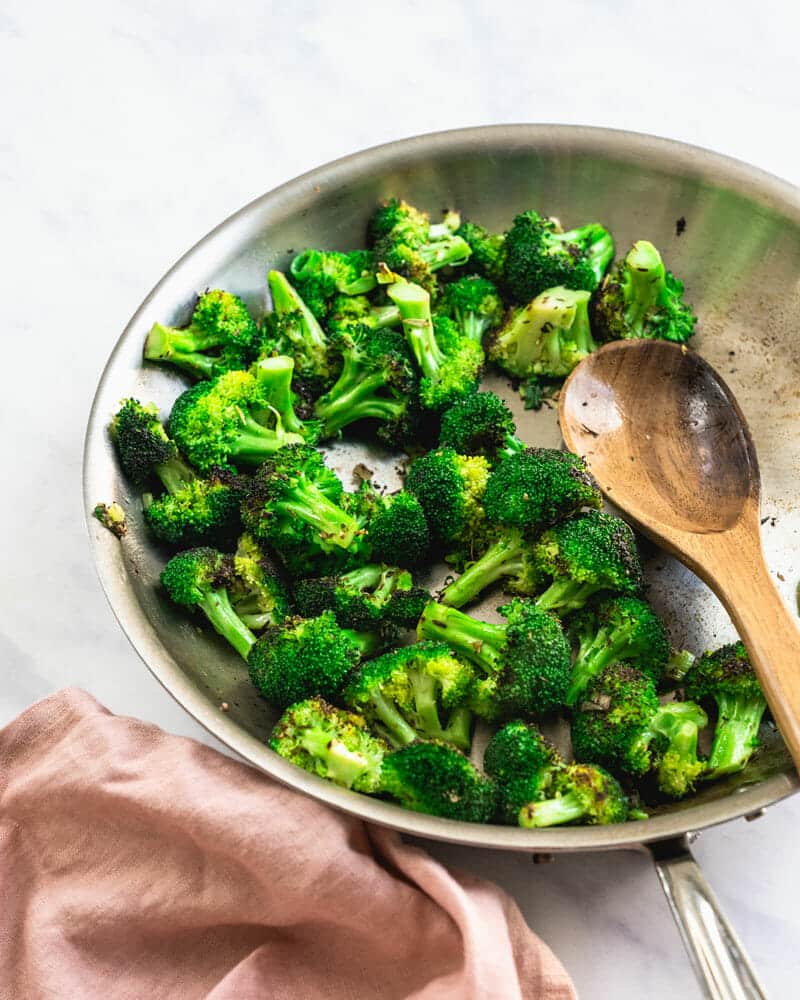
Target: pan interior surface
(730,232)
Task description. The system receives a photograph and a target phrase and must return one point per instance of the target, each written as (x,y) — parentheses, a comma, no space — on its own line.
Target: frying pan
(729,230)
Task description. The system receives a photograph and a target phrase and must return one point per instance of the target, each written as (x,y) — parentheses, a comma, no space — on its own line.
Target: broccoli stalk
(582,793)
(298,333)
(508,558)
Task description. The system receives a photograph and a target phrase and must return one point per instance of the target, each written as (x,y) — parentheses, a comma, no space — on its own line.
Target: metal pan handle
(722,967)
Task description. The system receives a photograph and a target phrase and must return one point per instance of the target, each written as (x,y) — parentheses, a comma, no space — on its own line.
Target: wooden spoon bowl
(664,436)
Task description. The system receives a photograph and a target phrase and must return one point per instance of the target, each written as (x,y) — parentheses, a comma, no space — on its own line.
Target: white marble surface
(130,128)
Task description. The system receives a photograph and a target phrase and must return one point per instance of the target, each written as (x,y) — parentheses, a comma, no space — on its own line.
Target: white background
(128,130)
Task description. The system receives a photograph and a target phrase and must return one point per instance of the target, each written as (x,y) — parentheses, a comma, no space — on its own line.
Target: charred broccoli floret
(581,793)
(589,552)
(331,743)
(416,692)
(321,275)
(539,256)
(488,250)
(480,424)
(364,598)
(547,337)
(221,336)
(304,657)
(620,722)
(526,660)
(509,558)
(294,503)
(347,311)
(396,528)
(296,331)
(727,676)
(199,578)
(523,764)
(257,591)
(618,628)
(450,488)
(378,381)
(537,487)
(640,298)
(436,778)
(450,363)
(474,304)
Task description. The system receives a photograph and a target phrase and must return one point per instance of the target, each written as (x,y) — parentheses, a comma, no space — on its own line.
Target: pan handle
(720,963)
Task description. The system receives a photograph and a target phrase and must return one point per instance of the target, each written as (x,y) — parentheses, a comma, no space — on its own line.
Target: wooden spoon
(668,444)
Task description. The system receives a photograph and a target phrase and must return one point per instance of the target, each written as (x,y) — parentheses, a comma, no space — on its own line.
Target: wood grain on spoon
(666,440)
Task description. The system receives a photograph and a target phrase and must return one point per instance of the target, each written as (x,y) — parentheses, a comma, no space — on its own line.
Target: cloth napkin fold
(135,864)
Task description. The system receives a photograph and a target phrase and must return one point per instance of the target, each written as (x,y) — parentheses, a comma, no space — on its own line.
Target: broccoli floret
(296,331)
(407,244)
(320,275)
(450,488)
(488,250)
(475,305)
(538,256)
(112,517)
(589,552)
(306,656)
(526,660)
(199,578)
(331,743)
(581,793)
(349,310)
(450,364)
(640,298)
(523,764)
(619,628)
(364,598)
(258,593)
(218,422)
(509,558)
(417,692)
(727,676)
(192,510)
(378,381)
(222,336)
(537,487)
(294,503)
(397,530)
(621,723)
(548,336)
(431,777)
(480,424)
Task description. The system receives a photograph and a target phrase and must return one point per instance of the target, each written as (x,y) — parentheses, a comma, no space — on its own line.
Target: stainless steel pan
(738,249)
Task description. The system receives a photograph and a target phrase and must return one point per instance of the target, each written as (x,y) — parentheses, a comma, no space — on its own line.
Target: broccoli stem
(448,251)
(680,766)
(399,731)
(383,316)
(552,812)
(502,559)
(459,726)
(218,609)
(367,643)
(274,376)
(736,735)
(594,656)
(182,348)
(644,282)
(479,641)
(344,766)
(285,300)
(363,578)
(175,474)
(255,442)
(414,304)
(474,326)
(355,397)
(565,594)
(310,505)
(598,243)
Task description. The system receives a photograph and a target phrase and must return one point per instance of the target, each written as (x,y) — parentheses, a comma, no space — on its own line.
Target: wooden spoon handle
(771,637)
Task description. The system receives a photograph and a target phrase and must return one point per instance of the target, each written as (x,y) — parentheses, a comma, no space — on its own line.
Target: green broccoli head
(474,304)
(200,510)
(534,488)
(295,330)
(221,336)
(416,692)
(641,299)
(480,424)
(140,440)
(397,529)
(395,213)
(321,275)
(303,657)
(450,488)
(488,250)
(588,552)
(522,763)
(435,778)
(726,676)
(364,598)
(259,594)
(331,743)
(547,337)
(582,793)
(539,256)
(617,628)
(199,578)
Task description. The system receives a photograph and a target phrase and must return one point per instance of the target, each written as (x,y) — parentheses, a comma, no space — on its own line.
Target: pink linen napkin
(135,864)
